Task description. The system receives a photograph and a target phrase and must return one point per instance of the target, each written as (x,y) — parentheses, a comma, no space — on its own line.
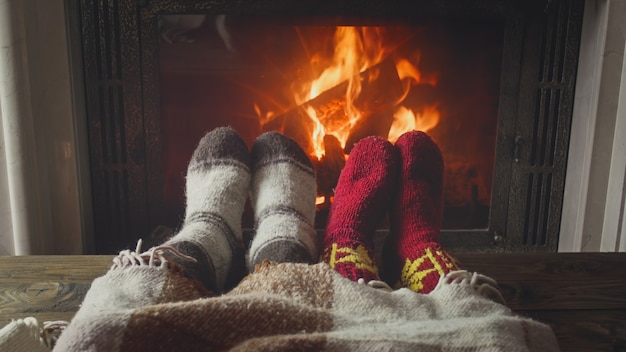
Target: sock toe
(222,143)
(272,146)
(422,159)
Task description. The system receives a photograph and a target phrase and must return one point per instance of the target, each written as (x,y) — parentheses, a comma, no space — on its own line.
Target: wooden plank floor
(581,295)
(46,287)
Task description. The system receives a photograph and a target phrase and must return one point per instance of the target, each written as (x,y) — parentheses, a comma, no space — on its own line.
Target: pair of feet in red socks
(405,179)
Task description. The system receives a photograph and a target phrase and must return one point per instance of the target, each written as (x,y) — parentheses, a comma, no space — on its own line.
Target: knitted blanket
(295,307)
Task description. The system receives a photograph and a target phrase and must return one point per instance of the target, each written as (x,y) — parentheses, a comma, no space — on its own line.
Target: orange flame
(356,49)
(263,117)
(405,120)
(408,70)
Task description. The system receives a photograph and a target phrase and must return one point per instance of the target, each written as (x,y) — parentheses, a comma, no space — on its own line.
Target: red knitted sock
(418,258)
(362,196)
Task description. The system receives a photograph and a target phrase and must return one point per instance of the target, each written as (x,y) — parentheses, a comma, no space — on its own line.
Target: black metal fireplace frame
(539,62)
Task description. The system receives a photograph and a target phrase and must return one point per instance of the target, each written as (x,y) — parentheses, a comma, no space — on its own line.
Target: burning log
(377,124)
(381,90)
(377,101)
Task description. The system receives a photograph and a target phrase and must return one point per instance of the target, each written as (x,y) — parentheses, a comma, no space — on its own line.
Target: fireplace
(328,85)
(491,81)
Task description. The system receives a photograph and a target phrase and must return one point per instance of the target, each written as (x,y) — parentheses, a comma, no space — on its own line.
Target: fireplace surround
(539,60)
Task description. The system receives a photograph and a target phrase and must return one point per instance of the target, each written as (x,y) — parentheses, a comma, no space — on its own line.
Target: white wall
(593,201)
(6,225)
(38,159)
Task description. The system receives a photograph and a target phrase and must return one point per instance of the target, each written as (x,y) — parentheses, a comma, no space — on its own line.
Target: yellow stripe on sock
(359,257)
(412,275)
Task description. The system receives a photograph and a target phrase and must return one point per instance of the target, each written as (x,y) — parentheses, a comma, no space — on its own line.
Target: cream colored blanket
(295,307)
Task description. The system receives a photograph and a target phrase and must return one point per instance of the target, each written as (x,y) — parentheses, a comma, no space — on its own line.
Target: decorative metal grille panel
(543,131)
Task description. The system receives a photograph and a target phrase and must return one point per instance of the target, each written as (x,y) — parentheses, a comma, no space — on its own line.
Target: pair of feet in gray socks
(279,179)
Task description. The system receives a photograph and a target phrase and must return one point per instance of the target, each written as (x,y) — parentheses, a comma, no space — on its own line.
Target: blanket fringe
(27,333)
(482,284)
(32,325)
(51,331)
(159,256)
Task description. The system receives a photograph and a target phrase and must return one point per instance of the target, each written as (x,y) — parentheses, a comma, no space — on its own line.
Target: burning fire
(406,119)
(357,52)
(349,59)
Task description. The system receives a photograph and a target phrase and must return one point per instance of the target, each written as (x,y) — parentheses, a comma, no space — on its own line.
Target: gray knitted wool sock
(218,179)
(282,195)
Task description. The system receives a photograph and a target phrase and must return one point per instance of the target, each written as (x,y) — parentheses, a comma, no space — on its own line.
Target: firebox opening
(327,83)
